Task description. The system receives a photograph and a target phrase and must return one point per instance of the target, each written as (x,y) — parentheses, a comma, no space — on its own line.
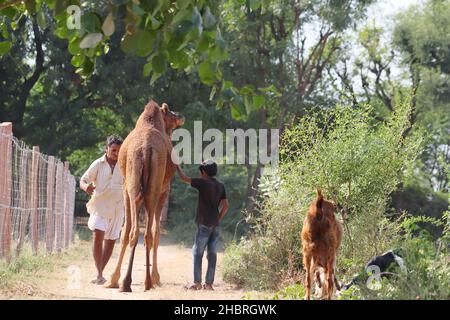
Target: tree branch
(9,4)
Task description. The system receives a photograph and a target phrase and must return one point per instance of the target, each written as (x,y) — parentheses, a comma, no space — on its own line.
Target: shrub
(356,162)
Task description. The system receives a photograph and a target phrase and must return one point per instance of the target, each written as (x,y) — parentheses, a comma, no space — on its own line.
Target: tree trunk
(30,82)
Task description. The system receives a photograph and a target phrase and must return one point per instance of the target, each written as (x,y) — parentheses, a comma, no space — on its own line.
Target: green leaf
(248,106)
(212,93)
(178,58)
(146,40)
(180,16)
(258,101)
(129,43)
(271,89)
(155,77)
(61,32)
(5,46)
(159,64)
(108,25)
(5,33)
(248,89)
(10,12)
(147,69)
(155,24)
(238,111)
(203,44)
(77,61)
(74,46)
(91,23)
(206,72)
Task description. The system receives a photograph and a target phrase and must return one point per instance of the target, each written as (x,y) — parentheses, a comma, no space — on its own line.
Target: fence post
(5,189)
(50,224)
(66,205)
(72,207)
(59,202)
(35,200)
(24,202)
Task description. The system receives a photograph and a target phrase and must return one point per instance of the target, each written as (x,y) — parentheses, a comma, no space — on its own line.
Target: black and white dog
(380,263)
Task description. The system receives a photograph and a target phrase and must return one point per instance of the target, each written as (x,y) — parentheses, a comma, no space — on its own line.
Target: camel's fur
(145,162)
(321,237)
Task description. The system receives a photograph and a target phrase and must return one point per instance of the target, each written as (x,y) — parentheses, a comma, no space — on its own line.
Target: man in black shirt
(211,195)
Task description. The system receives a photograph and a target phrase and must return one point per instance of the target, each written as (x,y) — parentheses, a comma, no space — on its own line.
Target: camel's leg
(156,237)
(134,236)
(330,278)
(307,265)
(148,246)
(124,239)
(134,231)
(151,204)
(126,283)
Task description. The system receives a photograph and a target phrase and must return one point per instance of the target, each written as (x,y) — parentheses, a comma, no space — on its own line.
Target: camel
(146,164)
(321,238)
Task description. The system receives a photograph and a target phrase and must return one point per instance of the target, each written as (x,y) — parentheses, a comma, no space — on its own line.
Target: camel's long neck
(169,135)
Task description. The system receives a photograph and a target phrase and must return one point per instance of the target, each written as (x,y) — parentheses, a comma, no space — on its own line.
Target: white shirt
(107,199)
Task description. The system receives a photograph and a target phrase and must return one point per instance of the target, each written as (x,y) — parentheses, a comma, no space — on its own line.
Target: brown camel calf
(321,237)
(146,164)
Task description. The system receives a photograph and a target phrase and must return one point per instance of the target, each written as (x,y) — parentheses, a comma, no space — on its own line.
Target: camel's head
(172,119)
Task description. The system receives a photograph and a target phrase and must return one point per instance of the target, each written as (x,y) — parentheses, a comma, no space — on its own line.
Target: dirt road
(71,280)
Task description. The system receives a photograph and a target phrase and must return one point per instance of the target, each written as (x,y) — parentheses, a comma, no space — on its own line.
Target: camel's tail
(145,170)
(319,202)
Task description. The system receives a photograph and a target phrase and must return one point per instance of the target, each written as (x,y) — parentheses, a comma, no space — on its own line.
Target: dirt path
(72,279)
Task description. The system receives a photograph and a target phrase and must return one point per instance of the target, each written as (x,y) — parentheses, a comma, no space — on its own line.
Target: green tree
(276,67)
(177,34)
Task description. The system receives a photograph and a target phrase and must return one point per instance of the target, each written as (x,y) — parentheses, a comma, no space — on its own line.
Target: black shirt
(210,193)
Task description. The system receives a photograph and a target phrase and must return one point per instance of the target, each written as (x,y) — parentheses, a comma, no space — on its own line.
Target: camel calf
(146,164)
(321,237)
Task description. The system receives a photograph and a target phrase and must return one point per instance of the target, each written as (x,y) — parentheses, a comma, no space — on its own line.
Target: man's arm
(223,211)
(183,177)
(86,180)
(87,187)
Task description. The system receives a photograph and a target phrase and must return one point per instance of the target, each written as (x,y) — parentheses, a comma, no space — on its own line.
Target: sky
(383,10)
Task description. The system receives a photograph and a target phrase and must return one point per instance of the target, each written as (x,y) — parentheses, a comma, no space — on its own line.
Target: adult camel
(145,162)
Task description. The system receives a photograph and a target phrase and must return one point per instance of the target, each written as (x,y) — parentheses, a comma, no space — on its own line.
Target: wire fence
(37,199)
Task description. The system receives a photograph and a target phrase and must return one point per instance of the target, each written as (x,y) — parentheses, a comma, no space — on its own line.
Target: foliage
(179,34)
(357,163)
(428,270)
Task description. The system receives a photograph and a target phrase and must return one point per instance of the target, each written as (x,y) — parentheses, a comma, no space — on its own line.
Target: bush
(427,263)
(356,162)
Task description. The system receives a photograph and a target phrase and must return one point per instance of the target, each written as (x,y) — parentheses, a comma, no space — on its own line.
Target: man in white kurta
(103,181)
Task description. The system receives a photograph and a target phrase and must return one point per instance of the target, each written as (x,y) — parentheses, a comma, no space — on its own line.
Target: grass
(27,268)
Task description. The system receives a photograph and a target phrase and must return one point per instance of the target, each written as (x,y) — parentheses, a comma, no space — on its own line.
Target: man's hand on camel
(183,177)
